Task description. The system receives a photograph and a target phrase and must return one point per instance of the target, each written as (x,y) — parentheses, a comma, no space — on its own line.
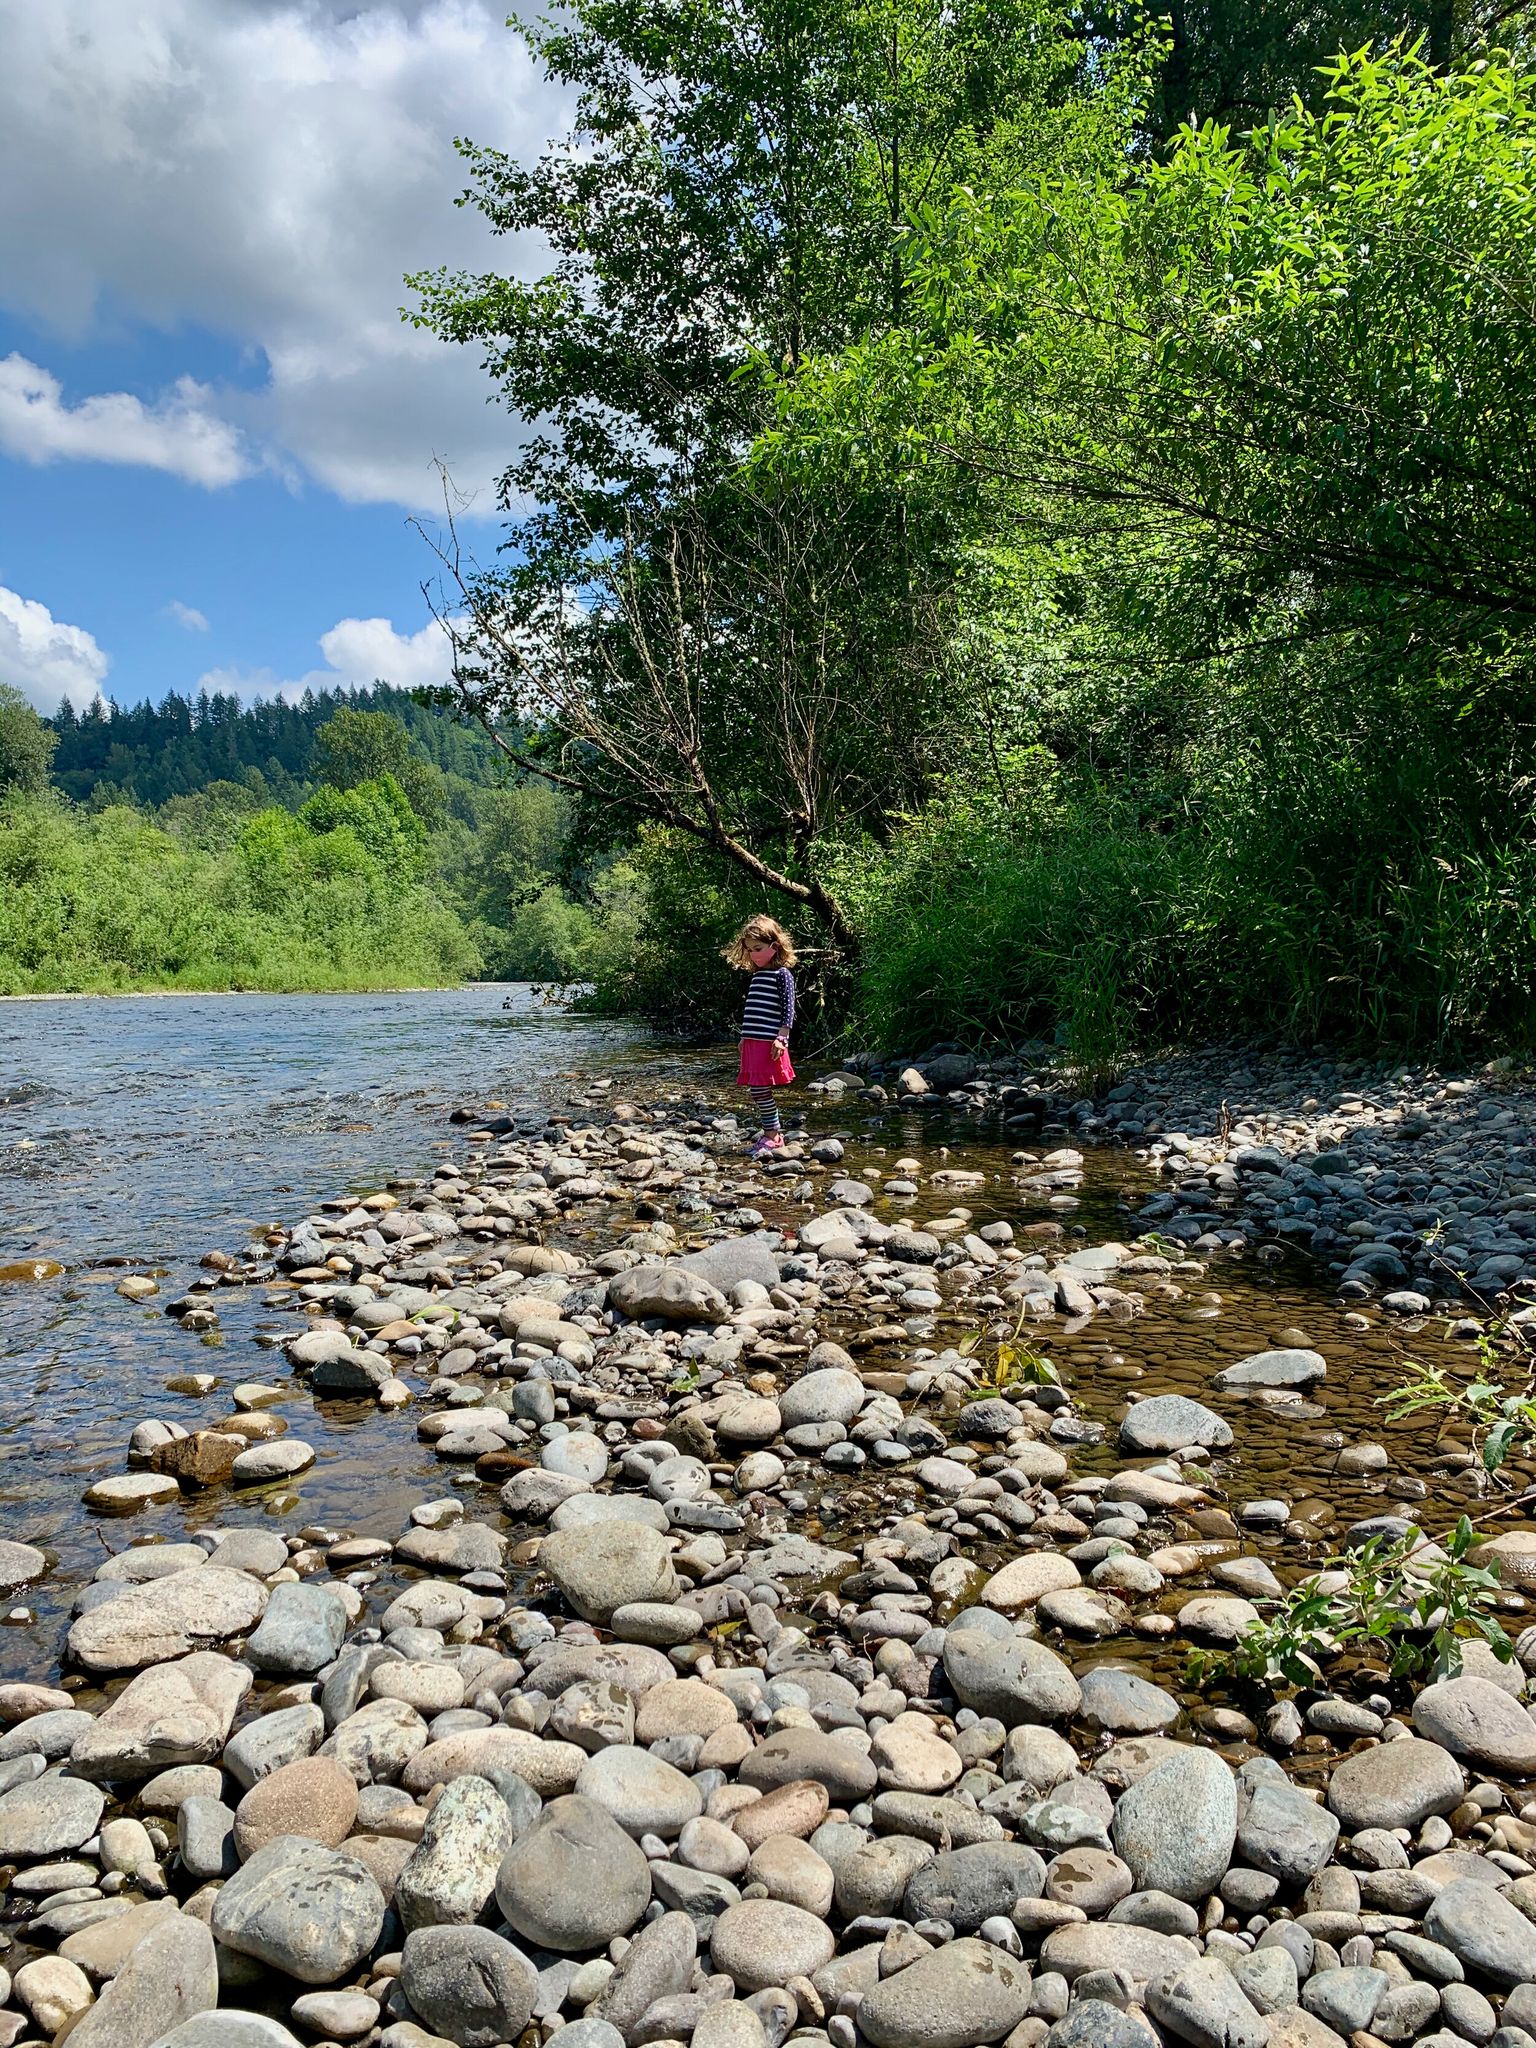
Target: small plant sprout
(1012,1366)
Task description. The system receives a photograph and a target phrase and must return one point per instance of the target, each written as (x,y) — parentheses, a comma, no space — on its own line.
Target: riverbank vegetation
(346,846)
(1056,526)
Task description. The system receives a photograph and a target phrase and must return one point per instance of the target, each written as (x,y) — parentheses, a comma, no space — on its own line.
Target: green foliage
(26,744)
(1496,1406)
(1407,1603)
(1009,1365)
(1236,457)
(107,900)
(377,814)
(662,914)
(152,754)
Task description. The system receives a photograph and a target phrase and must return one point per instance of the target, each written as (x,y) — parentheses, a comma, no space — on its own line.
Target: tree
(359,746)
(26,744)
(754,669)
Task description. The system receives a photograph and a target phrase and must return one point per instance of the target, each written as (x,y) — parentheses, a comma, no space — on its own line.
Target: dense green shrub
(109,900)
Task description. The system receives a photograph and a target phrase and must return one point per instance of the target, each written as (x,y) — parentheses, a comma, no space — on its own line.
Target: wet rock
(1171,1422)
(1274,1369)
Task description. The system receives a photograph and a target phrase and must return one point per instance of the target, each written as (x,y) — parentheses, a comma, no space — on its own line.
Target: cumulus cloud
(268,169)
(358,653)
(187,615)
(179,433)
(44,658)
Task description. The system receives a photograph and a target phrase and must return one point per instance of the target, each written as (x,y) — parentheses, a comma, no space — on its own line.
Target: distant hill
(151,753)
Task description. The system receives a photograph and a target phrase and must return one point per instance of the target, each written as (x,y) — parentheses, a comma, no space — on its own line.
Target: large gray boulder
(169,1977)
(1013,1678)
(671,1293)
(309,1911)
(607,1565)
(1176,1827)
(964,1993)
(1274,1369)
(575,1880)
(1172,1422)
(167,1618)
(50,1816)
(300,1632)
(734,1259)
(172,1714)
(1478,1721)
(452,1870)
(1395,1785)
(1483,1931)
(468,1984)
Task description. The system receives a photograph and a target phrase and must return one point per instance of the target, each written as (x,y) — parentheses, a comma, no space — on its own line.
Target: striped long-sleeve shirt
(770,1006)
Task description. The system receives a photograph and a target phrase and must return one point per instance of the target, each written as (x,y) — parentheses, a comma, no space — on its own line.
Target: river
(152,1129)
(141,1133)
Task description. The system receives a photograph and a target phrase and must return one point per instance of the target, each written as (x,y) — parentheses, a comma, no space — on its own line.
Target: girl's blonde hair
(760,931)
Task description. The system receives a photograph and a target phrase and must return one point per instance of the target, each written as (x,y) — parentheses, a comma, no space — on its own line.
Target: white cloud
(187,615)
(179,433)
(44,658)
(268,169)
(358,653)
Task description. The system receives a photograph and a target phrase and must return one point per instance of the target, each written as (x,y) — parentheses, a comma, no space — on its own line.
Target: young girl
(764,950)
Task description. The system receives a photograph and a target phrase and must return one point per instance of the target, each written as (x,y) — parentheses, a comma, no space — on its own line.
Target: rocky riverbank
(1402,1181)
(775,1667)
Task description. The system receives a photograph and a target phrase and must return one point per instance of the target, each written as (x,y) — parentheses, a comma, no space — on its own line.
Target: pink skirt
(760,1069)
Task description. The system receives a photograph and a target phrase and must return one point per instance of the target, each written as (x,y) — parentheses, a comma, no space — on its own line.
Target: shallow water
(146,1131)
(151,1130)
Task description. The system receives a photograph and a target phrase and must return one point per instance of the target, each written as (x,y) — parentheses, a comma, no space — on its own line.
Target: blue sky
(214,428)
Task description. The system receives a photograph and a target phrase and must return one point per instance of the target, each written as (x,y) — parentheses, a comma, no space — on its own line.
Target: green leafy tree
(26,743)
(754,669)
(378,816)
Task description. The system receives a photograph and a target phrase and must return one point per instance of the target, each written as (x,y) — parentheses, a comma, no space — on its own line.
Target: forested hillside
(1039,497)
(351,840)
(148,753)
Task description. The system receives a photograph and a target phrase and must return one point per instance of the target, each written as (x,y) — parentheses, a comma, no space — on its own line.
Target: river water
(149,1130)
(146,1131)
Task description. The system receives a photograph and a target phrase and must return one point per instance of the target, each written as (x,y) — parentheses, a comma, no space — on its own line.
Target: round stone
(764,1942)
(575,1880)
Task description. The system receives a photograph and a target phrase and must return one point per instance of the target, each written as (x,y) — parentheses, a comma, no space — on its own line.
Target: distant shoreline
(118,995)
